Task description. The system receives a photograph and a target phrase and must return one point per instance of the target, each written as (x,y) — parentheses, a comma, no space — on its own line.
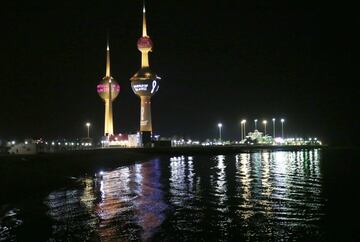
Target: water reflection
(149,205)
(114,205)
(220,186)
(9,223)
(262,196)
(265,200)
(177,182)
(243,173)
(115,197)
(72,213)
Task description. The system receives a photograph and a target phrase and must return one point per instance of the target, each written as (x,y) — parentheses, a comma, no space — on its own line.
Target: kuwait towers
(145,83)
(108,90)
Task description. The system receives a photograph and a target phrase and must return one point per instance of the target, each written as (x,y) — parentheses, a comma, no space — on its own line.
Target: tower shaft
(108,89)
(108,127)
(145,114)
(145,84)
(144,59)
(145,110)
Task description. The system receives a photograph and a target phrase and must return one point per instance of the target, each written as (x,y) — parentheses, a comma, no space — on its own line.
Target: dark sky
(219,61)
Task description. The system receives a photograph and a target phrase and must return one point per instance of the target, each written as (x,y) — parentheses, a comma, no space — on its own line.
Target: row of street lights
(242,123)
(243,127)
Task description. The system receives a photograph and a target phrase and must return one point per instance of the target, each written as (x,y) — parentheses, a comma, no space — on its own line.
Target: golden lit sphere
(103,89)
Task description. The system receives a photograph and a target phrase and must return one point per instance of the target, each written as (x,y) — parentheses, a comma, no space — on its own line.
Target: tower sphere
(145,82)
(145,43)
(103,88)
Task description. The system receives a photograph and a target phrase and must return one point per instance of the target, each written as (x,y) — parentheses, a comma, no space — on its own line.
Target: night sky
(220,61)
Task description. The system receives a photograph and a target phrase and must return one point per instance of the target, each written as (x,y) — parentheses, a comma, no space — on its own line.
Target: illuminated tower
(108,90)
(145,83)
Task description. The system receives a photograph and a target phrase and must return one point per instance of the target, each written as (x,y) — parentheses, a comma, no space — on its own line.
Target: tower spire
(144,44)
(107,57)
(144,30)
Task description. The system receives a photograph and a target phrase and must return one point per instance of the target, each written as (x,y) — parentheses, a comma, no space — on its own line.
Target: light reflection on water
(125,203)
(264,195)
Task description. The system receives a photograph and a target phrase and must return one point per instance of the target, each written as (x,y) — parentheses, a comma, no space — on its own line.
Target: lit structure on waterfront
(145,83)
(108,90)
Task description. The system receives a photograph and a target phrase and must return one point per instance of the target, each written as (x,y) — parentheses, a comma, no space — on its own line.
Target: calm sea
(277,196)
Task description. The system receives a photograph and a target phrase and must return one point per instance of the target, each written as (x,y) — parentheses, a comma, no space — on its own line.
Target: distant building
(29,147)
(118,140)
(122,140)
(257,137)
(134,140)
(3,147)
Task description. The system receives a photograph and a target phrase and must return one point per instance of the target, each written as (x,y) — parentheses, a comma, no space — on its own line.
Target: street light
(243,130)
(220,126)
(282,127)
(273,127)
(255,124)
(88,129)
(265,122)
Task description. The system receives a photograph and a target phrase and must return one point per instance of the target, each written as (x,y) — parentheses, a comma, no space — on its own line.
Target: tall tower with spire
(145,83)
(108,89)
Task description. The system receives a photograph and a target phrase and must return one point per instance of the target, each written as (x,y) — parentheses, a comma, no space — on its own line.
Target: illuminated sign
(105,88)
(145,87)
(140,87)
(154,86)
(144,122)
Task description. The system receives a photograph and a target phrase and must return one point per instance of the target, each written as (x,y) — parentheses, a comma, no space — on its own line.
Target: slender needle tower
(145,83)
(108,90)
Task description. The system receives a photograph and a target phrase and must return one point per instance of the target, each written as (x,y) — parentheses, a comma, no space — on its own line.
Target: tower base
(146,138)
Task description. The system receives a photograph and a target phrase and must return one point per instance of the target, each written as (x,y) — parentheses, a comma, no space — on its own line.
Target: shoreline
(225,149)
(153,151)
